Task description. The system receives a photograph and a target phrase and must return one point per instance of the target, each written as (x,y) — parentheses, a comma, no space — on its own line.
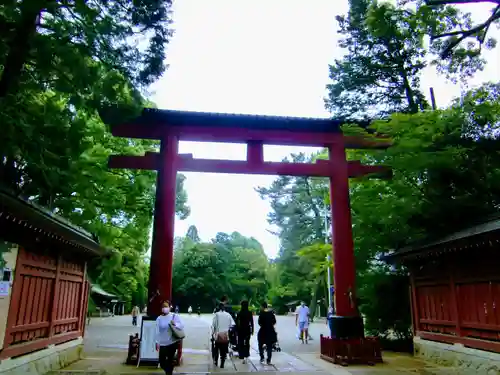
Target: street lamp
(328,274)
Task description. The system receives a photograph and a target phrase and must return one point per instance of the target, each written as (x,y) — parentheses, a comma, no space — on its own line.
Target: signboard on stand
(4,288)
(147,350)
(5,280)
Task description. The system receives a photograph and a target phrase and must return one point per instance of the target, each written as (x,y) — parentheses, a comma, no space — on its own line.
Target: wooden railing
(351,351)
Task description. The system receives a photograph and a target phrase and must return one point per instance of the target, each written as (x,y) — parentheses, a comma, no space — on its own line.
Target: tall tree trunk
(317,214)
(314,297)
(9,174)
(19,45)
(410,97)
(399,61)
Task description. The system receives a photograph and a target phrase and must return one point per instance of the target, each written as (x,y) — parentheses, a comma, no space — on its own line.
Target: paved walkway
(106,342)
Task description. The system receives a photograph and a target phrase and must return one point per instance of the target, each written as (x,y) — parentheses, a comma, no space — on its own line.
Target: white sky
(259,57)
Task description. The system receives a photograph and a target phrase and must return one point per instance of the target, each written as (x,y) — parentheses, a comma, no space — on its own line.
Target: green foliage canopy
(230,264)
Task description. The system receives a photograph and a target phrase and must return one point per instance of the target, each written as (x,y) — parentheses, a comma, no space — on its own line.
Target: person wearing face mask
(302,321)
(166,343)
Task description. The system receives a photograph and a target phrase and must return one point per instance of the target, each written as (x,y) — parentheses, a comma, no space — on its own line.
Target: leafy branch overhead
(59,38)
(62,63)
(479,32)
(386,51)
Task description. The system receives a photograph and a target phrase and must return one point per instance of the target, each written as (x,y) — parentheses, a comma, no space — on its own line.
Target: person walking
(329,319)
(166,342)
(302,321)
(135,313)
(190,310)
(221,324)
(267,334)
(244,329)
(227,307)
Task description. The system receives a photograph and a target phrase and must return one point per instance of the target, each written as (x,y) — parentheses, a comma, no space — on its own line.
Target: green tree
(63,63)
(380,72)
(298,205)
(192,234)
(445,177)
(386,52)
(460,34)
(117,206)
(230,264)
(55,41)
(71,177)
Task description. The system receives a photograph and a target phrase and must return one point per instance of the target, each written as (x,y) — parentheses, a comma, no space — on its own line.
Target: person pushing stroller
(244,329)
(224,304)
(221,324)
(267,335)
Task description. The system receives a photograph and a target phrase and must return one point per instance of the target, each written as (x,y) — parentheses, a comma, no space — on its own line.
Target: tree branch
(18,47)
(450,2)
(464,34)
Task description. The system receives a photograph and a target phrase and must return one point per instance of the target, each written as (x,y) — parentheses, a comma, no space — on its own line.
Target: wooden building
(44,290)
(455,297)
(107,304)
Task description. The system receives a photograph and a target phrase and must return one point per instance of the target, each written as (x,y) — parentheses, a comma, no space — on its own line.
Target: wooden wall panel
(46,303)
(457,299)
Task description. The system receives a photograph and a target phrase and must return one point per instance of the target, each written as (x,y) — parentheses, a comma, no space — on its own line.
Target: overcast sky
(258,57)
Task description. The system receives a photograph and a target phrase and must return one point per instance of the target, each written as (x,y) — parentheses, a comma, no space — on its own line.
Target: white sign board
(148,345)
(4,288)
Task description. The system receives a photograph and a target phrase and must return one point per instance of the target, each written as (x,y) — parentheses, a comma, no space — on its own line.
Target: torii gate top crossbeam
(237,128)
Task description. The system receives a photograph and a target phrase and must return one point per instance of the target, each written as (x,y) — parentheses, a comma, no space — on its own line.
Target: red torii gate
(170,127)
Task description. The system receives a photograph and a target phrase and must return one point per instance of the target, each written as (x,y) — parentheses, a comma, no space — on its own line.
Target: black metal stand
(347,327)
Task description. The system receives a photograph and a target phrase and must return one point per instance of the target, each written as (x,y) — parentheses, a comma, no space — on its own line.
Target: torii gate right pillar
(347,323)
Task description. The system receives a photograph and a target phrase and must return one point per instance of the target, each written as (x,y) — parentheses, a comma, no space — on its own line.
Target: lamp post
(328,274)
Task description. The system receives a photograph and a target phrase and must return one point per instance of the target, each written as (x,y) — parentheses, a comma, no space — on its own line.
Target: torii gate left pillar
(160,271)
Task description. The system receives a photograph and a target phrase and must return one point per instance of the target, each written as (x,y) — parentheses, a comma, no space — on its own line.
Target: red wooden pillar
(160,269)
(455,308)
(415,307)
(348,322)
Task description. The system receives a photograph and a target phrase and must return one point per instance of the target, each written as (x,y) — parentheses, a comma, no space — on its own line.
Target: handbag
(222,338)
(177,332)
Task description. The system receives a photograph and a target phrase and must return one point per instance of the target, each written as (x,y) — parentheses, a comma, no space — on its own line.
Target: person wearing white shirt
(302,320)
(166,343)
(221,324)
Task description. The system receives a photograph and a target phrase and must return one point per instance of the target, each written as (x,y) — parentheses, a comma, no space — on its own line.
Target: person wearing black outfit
(267,334)
(244,328)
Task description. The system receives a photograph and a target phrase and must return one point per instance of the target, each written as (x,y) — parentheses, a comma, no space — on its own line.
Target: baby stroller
(233,340)
(276,347)
(276,344)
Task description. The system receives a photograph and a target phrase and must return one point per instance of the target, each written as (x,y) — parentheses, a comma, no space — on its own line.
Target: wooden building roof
(486,234)
(21,221)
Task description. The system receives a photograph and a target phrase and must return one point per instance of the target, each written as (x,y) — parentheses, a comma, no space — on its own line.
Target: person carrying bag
(221,325)
(169,331)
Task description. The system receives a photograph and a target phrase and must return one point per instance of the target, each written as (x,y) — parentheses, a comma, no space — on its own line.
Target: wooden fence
(48,303)
(459,303)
